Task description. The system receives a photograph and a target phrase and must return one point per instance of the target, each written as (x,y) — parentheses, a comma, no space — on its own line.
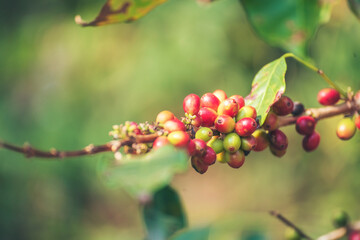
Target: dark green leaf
(355,7)
(288,24)
(117,11)
(164,215)
(193,234)
(148,173)
(267,87)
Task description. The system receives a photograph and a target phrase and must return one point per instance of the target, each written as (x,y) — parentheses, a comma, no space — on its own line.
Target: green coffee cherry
(204,133)
(232,142)
(216,144)
(246,111)
(220,157)
(292,234)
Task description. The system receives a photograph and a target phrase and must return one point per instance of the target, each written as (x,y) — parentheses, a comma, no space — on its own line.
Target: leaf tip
(80,21)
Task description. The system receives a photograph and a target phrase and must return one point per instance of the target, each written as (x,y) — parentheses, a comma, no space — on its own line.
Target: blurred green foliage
(64,86)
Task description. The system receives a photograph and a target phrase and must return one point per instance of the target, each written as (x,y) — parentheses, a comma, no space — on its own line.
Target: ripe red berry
(160,142)
(210,156)
(239,99)
(248,143)
(262,141)
(305,125)
(174,125)
(224,124)
(200,147)
(278,139)
(328,96)
(207,116)
(228,107)
(277,152)
(354,235)
(245,126)
(346,129)
(191,104)
(236,159)
(220,94)
(246,111)
(271,122)
(283,106)
(357,121)
(164,116)
(191,148)
(209,100)
(311,142)
(179,138)
(198,165)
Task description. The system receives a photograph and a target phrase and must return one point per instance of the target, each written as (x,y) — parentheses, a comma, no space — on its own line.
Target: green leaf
(193,234)
(117,11)
(148,173)
(288,24)
(355,7)
(164,215)
(267,87)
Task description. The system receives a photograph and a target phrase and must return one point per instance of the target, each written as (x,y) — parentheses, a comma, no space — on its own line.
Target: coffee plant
(220,129)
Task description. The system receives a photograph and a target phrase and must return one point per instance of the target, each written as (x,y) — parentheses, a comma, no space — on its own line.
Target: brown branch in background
(289,224)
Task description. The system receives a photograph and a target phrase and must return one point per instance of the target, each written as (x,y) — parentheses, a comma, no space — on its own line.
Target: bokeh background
(64,86)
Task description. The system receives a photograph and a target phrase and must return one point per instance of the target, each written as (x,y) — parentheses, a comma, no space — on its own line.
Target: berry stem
(318,71)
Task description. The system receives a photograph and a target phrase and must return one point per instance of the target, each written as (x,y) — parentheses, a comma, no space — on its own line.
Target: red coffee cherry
(246,111)
(346,129)
(179,138)
(191,104)
(174,125)
(277,152)
(198,165)
(220,94)
(210,156)
(311,142)
(357,121)
(200,147)
(271,122)
(328,96)
(191,148)
(262,141)
(160,142)
(207,116)
(209,100)
(236,159)
(245,126)
(224,124)
(354,235)
(283,106)
(164,116)
(248,143)
(278,139)
(305,125)
(239,99)
(228,107)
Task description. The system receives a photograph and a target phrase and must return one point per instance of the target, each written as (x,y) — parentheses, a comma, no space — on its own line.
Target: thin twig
(288,223)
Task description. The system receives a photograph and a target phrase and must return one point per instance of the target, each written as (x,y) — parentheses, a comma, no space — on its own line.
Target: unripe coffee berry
(210,156)
(217,144)
(278,139)
(174,125)
(292,234)
(224,124)
(220,157)
(271,122)
(204,133)
(207,116)
(328,96)
(191,104)
(305,125)
(248,143)
(209,100)
(277,152)
(220,94)
(346,129)
(179,138)
(198,165)
(283,106)
(200,147)
(160,142)
(311,142)
(262,141)
(164,116)
(236,159)
(246,111)
(232,142)
(196,122)
(239,99)
(298,109)
(228,107)
(245,126)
